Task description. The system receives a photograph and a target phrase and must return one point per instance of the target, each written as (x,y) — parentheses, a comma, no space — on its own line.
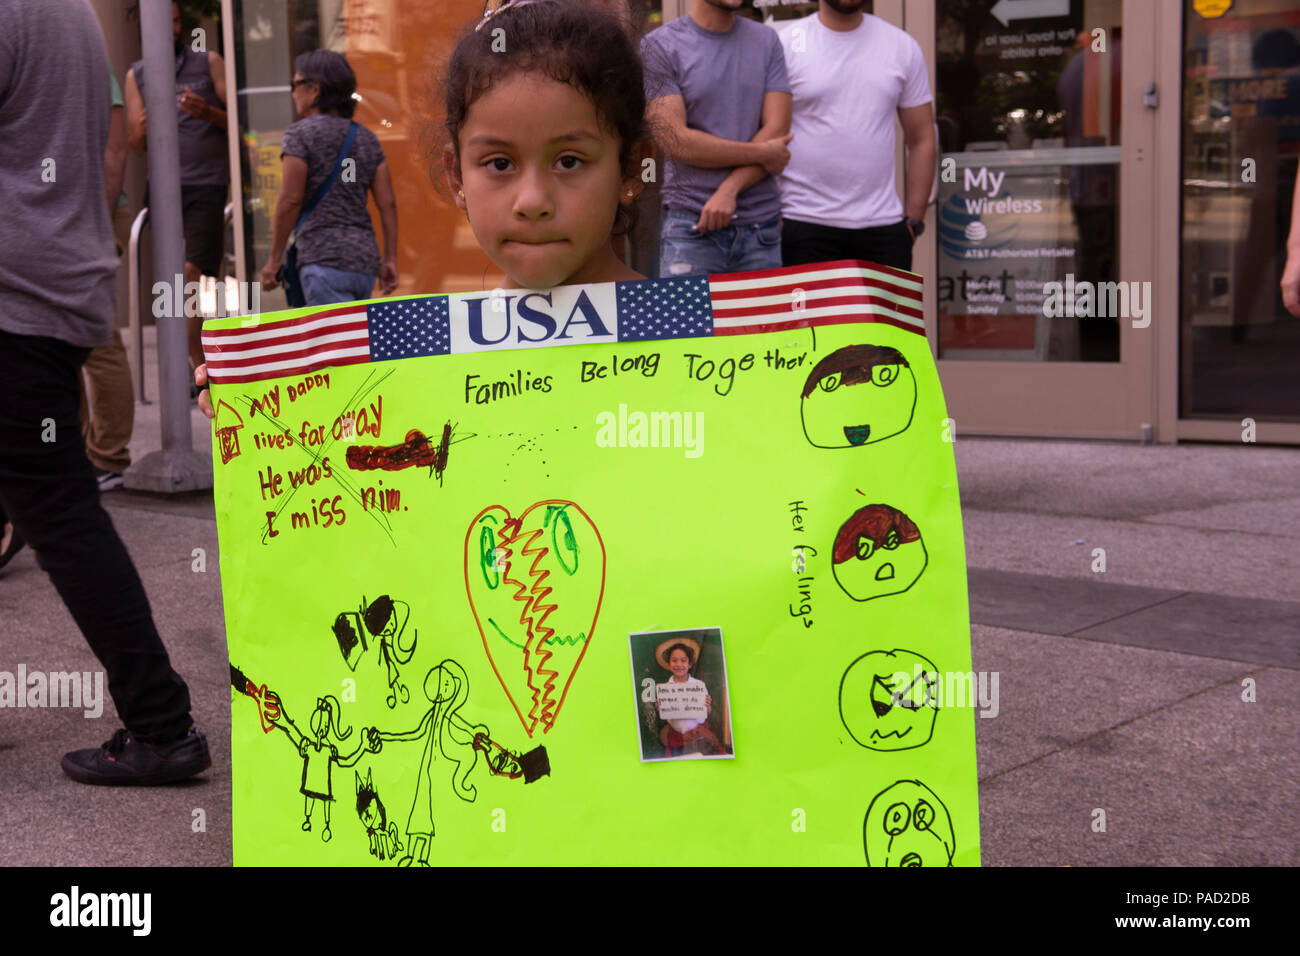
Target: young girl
(682,736)
(544,134)
(545,125)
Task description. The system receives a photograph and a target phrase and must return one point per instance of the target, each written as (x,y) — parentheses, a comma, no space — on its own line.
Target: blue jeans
(682,251)
(322,285)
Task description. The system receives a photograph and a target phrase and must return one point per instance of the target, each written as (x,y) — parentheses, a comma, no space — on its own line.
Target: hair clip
(489,14)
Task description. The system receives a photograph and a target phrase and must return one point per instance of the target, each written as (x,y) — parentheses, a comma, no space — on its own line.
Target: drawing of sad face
(907,825)
(877,552)
(889,700)
(858,395)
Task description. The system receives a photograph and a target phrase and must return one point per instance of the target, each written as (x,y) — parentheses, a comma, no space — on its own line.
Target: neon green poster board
(663,572)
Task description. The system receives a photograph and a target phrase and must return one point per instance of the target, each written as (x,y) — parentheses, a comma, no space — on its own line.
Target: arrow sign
(1007,10)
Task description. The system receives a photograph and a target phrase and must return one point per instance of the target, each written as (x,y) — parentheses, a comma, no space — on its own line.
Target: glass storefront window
(1240,349)
(1028,111)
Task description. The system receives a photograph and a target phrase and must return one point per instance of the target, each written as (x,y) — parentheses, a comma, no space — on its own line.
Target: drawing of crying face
(889,700)
(877,552)
(858,395)
(908,825)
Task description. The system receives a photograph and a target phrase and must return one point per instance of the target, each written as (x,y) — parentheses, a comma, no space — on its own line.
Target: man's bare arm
(115,158)
(918,138)
(777,109)
(667,118)
(721,207)
(135,113)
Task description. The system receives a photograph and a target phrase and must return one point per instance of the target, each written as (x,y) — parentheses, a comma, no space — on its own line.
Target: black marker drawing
(447,734)
(889,700)
(319,754)
(878,551)
(511,764)
(268,705)
(385,619)
(908,825)
(857,395)
(384,842)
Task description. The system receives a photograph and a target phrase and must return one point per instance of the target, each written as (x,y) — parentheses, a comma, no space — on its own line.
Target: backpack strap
(325,186)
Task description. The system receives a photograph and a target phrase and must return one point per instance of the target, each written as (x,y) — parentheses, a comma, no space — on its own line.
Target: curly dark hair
(569,41)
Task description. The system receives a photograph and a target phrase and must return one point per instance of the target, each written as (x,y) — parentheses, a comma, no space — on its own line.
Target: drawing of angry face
(858,395)
(877,552)
(889,700)
(908,825)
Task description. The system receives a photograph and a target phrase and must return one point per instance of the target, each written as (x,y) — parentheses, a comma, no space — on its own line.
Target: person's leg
(757,247)
(323,285)
(111,407)
(48,491)
(803,243)
(203,214)
(685,252)
(885,245)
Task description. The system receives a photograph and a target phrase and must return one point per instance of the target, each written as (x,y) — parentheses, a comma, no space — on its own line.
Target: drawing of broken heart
(535,584)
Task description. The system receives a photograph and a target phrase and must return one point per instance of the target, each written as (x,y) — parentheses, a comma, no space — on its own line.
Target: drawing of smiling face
(858,395)
(889,700)
(908,825)
(877,552)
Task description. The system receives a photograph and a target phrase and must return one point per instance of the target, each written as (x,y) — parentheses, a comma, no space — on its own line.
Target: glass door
(1238,347)
(1037,256)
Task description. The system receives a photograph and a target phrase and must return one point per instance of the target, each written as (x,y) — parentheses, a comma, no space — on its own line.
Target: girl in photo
(682,737)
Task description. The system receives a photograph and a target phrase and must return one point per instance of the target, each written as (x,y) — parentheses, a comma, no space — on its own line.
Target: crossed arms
(764,155)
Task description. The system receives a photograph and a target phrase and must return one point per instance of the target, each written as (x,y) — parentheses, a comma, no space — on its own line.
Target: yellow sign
(1212,9)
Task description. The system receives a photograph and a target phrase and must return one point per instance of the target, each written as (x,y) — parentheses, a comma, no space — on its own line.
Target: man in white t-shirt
(850,74)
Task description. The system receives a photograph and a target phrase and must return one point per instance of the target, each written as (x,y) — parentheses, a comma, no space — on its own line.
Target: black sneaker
(13,545)
(108,480)
(127,762)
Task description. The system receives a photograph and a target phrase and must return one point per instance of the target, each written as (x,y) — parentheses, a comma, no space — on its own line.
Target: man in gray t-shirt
(57,267)
(719,107)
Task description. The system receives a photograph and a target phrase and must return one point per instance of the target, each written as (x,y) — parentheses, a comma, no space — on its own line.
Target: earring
(460,193)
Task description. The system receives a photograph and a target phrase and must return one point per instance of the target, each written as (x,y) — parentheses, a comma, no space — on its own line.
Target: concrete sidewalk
(1120,690)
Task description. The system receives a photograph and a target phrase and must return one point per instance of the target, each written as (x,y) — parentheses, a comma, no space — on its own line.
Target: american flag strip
(827,293)
(289,346)
(822,294)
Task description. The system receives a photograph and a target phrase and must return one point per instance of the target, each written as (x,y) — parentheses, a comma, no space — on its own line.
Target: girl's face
(541,182)
(679,664)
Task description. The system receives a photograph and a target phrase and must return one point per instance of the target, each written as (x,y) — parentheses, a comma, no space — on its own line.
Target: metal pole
(233,138)
(177,467)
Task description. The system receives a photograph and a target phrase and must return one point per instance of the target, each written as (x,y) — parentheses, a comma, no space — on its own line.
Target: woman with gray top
(338,257)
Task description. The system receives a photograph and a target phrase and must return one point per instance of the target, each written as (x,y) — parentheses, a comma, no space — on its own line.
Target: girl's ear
(451,169)
(642,169)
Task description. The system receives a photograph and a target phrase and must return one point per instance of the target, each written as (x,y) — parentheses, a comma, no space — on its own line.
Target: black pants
(48,491)
(805,242)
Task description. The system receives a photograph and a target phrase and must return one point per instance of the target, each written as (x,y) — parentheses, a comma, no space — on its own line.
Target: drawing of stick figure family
(445,734)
